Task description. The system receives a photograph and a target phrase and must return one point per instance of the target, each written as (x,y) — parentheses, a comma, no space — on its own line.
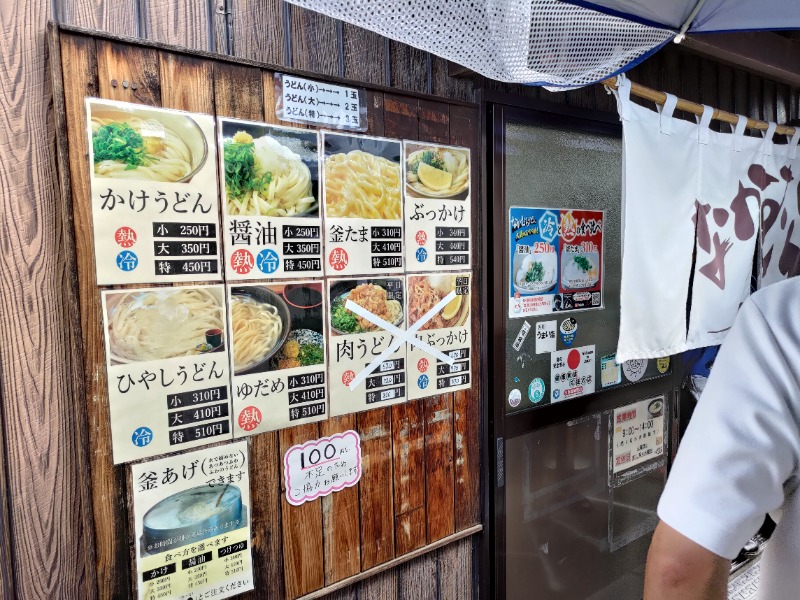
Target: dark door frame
(496,109)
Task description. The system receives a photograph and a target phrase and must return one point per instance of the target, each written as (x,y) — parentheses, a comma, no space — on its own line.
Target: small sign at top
(307,101)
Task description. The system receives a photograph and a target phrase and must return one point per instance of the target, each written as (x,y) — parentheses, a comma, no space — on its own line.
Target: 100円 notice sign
(192,524)
(321,467)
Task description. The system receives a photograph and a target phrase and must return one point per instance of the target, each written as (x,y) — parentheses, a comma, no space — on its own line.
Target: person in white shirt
(739,460)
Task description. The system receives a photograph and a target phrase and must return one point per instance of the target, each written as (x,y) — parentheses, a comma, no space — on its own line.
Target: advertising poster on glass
(362,191)
(153,178)
(192,523)
(367,347)
(437,207)
(278,358)
(167,369)
(556,260)
(439,317)
(638,440)
(270,197)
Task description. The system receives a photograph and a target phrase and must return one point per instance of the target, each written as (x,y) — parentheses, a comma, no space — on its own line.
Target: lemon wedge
(434,178)
(450,309)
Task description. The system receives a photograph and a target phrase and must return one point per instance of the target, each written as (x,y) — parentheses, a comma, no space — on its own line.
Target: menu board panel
(363,205)
(443,333)
(278,358)
(154,200)
(192,522)
(270,192)
(367,349)
(556,260)
(167,369)
(437,207)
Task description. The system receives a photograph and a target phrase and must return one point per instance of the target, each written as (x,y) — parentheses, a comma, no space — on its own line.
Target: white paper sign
(278,359)
(153,174)
(546,336)
(572,373)
(270,192)
(521,336)
(320,467)
(610,371)
(167,369)
(362,192)
(448,331)
(307,101)
(638,433)
(192,522)
(356,341)
(437,207)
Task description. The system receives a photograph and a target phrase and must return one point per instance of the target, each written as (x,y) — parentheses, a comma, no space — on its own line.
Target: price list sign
(192,523)
(366,349)
(278,358)
(153,183)
(638,434)
(167,369)
(363,205)
(307,101)
(272,223)
(437,207)
(439,306)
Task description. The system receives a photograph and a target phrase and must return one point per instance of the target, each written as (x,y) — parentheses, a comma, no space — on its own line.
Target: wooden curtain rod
(697,109)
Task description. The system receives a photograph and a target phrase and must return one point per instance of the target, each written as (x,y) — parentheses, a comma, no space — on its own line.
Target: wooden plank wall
(279,33)
(47,505)
(408,452)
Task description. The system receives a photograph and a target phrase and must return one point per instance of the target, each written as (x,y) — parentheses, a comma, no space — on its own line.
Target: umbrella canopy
(549,42)
(712,16)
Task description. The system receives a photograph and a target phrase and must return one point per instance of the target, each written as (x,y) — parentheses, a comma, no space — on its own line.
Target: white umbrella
(549,42)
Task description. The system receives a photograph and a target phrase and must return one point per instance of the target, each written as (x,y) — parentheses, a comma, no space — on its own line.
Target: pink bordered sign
(322,466)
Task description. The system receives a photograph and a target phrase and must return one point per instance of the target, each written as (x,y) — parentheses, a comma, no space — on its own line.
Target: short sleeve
(742,443)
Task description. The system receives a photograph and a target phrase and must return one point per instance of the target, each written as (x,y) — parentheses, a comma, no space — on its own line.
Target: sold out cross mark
(400,336)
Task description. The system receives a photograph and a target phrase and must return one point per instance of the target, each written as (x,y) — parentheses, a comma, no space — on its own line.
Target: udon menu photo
(437,206)
(162,323)
(445,334)
(436,171)
(167,368)
(362,194)
(271,207)
(270,171)
(367,347)
(278,357)
(152,173)
(192,524)
(141,143)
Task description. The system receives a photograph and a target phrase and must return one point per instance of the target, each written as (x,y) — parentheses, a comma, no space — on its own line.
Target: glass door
(581,443)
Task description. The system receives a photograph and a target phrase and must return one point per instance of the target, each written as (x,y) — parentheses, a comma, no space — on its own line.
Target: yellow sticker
(662,364)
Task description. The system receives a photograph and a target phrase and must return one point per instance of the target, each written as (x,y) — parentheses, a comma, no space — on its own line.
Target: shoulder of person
(778,298)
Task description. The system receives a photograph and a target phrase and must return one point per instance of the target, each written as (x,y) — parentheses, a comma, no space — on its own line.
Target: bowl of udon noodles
(369,295)
(146,145)
(261,323)
(160,323)
(194,514)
